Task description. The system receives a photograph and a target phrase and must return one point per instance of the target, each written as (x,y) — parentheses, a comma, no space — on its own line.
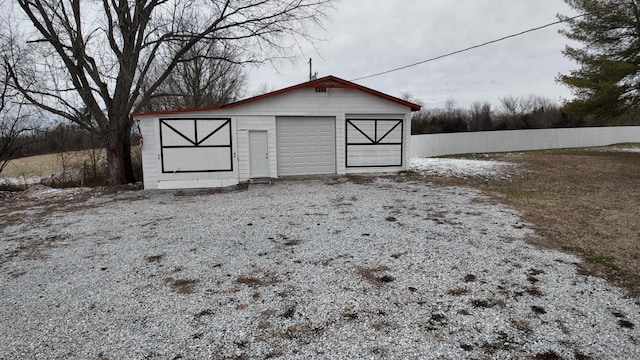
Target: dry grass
(45,165)
(68,169)
(580,200)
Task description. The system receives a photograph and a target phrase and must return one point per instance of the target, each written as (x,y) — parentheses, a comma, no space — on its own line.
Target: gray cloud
(370,36)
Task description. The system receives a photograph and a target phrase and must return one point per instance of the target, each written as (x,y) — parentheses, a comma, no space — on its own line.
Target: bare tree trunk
(118,149)
(126,153)
(115,161)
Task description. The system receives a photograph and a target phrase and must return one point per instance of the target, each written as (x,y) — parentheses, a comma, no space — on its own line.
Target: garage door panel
(196,145)
(306,145)
(218,136)
(195,159)
(374,142)
(376,155)
(176,133)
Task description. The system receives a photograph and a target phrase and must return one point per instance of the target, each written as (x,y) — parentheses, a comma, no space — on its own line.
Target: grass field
(71,168)
(585,201)
(47,165)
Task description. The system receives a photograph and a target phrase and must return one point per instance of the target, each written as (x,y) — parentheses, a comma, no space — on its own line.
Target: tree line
(63,137)
(532,112)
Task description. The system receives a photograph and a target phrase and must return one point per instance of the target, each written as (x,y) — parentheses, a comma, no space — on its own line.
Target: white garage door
(306,145)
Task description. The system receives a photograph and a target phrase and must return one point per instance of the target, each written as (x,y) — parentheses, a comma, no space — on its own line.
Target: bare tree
(479,116)
(210,75)
(529,112)
(511,105)
(512,114)
(14,116)
(421,119)
(112,56)
(263,88)
(451,107)
(544,112)
(14,124)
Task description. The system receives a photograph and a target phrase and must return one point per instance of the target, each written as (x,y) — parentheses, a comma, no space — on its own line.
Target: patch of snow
(628,149)
(20,180)
(462,167)
(41,192)
(35,190)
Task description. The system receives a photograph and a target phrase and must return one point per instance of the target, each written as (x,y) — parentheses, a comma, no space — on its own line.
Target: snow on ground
(20,180)
(630,149)
(39,192)
(42,192)
(298,270)
(462,167)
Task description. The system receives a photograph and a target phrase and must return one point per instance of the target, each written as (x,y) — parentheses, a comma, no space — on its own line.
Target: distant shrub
(533,112)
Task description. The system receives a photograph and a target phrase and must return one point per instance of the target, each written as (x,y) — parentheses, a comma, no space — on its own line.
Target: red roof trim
(324,82)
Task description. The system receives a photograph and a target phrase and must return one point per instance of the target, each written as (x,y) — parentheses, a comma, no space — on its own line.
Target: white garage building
(324,126)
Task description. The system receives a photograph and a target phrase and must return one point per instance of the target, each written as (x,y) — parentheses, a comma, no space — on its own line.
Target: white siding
(406,151)
(306,102)
(243,155)
(150,154)
(337,103)
(340,144)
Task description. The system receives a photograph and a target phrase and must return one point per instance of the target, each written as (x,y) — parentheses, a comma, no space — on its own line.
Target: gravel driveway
(321,268)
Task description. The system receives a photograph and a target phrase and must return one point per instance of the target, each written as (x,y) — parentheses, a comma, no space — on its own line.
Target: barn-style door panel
(374,142)
(195,145)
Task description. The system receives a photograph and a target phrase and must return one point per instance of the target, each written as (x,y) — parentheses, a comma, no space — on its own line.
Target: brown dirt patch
(373,276)
(581,200)
(182,286)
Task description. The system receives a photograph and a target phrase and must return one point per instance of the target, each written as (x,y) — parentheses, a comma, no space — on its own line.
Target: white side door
(258,154)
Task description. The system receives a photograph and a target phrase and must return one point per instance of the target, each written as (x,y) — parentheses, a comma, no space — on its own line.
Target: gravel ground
(321,268)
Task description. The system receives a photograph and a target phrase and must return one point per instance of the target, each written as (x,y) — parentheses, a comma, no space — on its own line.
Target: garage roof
(324,82)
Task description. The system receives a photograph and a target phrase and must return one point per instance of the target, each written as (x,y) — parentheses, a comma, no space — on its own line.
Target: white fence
(427,145)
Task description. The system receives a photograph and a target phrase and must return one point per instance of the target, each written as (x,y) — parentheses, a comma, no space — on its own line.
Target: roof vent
(321,89)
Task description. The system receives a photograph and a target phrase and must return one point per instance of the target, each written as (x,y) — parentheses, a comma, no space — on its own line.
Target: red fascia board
(324,82)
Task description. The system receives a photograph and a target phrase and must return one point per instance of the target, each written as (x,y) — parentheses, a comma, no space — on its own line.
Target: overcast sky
(364,37)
